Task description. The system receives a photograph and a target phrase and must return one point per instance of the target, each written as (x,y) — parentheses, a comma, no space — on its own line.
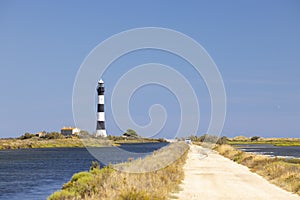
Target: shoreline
(270,150)
(38,143)
(16,143)
(134,179)
(272,141)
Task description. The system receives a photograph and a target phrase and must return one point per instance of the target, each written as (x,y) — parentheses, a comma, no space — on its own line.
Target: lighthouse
(100,129)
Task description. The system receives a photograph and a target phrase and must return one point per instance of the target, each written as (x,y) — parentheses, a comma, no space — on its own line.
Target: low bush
(62,195)
(80,175)
(26,136)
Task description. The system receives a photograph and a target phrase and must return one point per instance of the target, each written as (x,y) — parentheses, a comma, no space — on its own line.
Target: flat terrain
(51,143)
(215,177)
(273,141)
(66,142)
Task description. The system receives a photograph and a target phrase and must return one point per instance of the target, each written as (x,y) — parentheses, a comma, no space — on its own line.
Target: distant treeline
(209,139)
(129,135)
(46,135)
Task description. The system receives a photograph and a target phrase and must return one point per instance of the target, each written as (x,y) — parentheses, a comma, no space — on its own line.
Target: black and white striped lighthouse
(100,130)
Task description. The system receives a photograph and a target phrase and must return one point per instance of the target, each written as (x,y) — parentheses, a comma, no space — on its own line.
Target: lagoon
(37,173)
(271,150)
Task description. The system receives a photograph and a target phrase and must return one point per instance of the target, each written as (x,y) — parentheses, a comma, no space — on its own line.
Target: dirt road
(216,177)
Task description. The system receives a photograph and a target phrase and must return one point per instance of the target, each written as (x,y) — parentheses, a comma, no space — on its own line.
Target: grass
(142,140)
(273,141)
(51,143)
(111,183)
(128,140)
(282,172)
(37,142)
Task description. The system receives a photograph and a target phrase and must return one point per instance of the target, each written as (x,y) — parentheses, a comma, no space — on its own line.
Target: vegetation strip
(259,140)
(51,143)
(282,172)
(57,140)
(108,183)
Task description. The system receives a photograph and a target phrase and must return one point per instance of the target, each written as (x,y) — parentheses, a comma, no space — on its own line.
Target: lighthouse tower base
(101,133)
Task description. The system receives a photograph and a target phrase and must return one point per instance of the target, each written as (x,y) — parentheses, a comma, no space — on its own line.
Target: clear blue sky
(255,44)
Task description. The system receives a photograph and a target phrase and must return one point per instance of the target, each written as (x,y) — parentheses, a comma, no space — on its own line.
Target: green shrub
(130,133)
(254,138)
(80,175)
(108,183)
(54,135)
(27,136)
(292,160)
(222,140)
(61,195)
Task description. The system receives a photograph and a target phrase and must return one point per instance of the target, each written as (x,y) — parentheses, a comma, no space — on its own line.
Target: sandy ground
(216,177)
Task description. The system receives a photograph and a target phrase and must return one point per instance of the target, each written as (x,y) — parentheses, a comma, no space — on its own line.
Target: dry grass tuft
(283,172)
(108,183)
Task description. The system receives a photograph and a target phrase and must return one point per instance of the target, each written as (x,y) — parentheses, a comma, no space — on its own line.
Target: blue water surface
(30,174)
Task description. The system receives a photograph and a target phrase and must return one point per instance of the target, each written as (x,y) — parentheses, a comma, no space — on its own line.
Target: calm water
(271,150)
(36,173)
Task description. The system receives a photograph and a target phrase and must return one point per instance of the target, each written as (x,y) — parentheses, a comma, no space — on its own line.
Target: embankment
(109,183)
(52,143)
(36,142)
(214,177)
(282,172)
(273,141)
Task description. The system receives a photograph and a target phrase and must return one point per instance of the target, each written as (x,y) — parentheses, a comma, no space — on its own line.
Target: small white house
(69,131)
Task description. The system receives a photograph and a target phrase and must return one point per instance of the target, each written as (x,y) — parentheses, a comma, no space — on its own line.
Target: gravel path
(216,177)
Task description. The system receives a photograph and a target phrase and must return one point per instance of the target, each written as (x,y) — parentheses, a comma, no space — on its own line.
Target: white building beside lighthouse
(100,129)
